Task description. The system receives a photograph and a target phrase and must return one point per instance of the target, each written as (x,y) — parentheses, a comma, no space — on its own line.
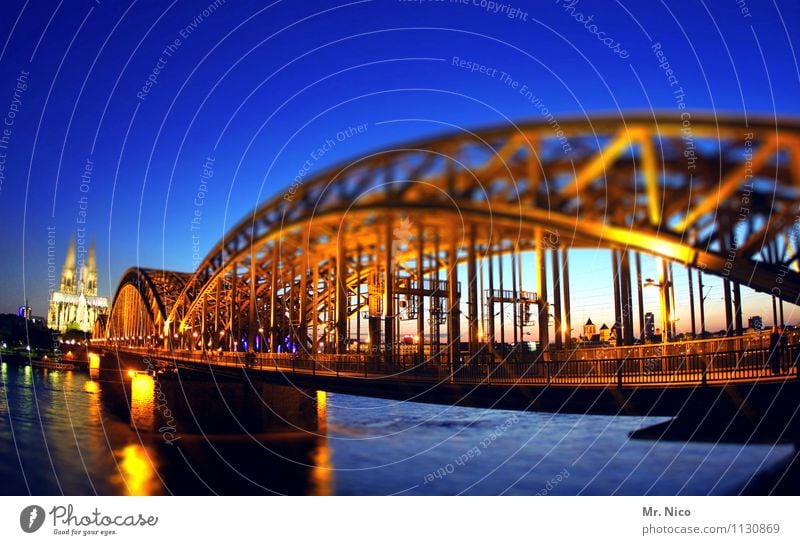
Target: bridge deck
(736,366)
(764,408)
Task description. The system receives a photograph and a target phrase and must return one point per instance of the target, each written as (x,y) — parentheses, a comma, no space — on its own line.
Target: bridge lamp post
(665,319)
(702,307)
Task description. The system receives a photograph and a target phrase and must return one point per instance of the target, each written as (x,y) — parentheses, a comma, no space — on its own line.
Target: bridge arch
(390,229)
(141,305)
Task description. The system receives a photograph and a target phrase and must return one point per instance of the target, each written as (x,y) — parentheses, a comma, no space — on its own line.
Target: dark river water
(66,432)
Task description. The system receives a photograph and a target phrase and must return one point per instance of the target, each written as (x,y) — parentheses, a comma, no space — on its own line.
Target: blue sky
(257,87)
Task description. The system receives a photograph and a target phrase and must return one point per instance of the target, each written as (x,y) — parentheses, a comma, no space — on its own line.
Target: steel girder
(719,194)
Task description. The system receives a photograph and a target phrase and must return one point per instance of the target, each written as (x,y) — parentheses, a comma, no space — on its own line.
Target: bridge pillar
(292,310)
(273,301)
(502,301)
(315,308)
(252,320)
(627,297)
(359,257)
(737,295)
(691,303)
(565,284)
(389,294)
(663,281)
(673,306)
(774,311)
(472,279)
(453,302)
(616,276)
(234,309)
(640,296)
(374,326)
(332,329)
(702,303)
(421,296)
(217,330)
(490,301)
(302,327)
(436,300)
(541,289)
(555,262)
(726,286)
(514,296)
(203,323)
(341,296)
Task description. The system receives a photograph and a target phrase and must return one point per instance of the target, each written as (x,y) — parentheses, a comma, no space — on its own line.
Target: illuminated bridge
(428,261)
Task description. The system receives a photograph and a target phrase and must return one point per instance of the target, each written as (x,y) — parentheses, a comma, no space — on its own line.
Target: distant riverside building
(76,304)
(755,322)
(24,312)
(589,329)
(605,333)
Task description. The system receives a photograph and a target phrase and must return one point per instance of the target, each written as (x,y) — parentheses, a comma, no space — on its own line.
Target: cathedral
(76,304)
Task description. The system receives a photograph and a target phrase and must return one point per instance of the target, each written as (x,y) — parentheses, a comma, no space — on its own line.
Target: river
(69,432)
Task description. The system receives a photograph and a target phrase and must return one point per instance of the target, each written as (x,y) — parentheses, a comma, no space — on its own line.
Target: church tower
(89,273)
(76,304)
(69,273)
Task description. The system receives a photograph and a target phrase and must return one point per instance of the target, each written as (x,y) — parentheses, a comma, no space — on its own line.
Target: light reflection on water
(104,434)
(143,402)
(322,471)
(137,474)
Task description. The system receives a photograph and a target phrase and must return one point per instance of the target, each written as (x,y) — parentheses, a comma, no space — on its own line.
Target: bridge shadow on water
(196,435)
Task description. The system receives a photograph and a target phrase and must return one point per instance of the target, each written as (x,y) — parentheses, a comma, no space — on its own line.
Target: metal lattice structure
(381,238)
(142,302)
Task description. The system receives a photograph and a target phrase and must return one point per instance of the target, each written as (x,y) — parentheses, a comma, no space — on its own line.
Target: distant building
(589,329)
(649,326)
(605,333)
(76,304)
(755,322)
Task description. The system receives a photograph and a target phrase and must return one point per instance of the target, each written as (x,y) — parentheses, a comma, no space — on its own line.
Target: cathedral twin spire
(79,280)
(76,304)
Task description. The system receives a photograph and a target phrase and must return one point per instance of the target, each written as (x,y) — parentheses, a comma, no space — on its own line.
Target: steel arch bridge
(142,302)
(381,239)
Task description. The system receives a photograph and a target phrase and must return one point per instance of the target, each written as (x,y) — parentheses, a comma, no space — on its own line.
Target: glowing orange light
(136,471)
(142,402)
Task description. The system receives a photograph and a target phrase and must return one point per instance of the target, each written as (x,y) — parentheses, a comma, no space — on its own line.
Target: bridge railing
(657,369)
(695,346)
(750,363)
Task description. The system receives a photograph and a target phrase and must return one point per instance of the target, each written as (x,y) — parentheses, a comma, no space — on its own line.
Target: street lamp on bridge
(663,286)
